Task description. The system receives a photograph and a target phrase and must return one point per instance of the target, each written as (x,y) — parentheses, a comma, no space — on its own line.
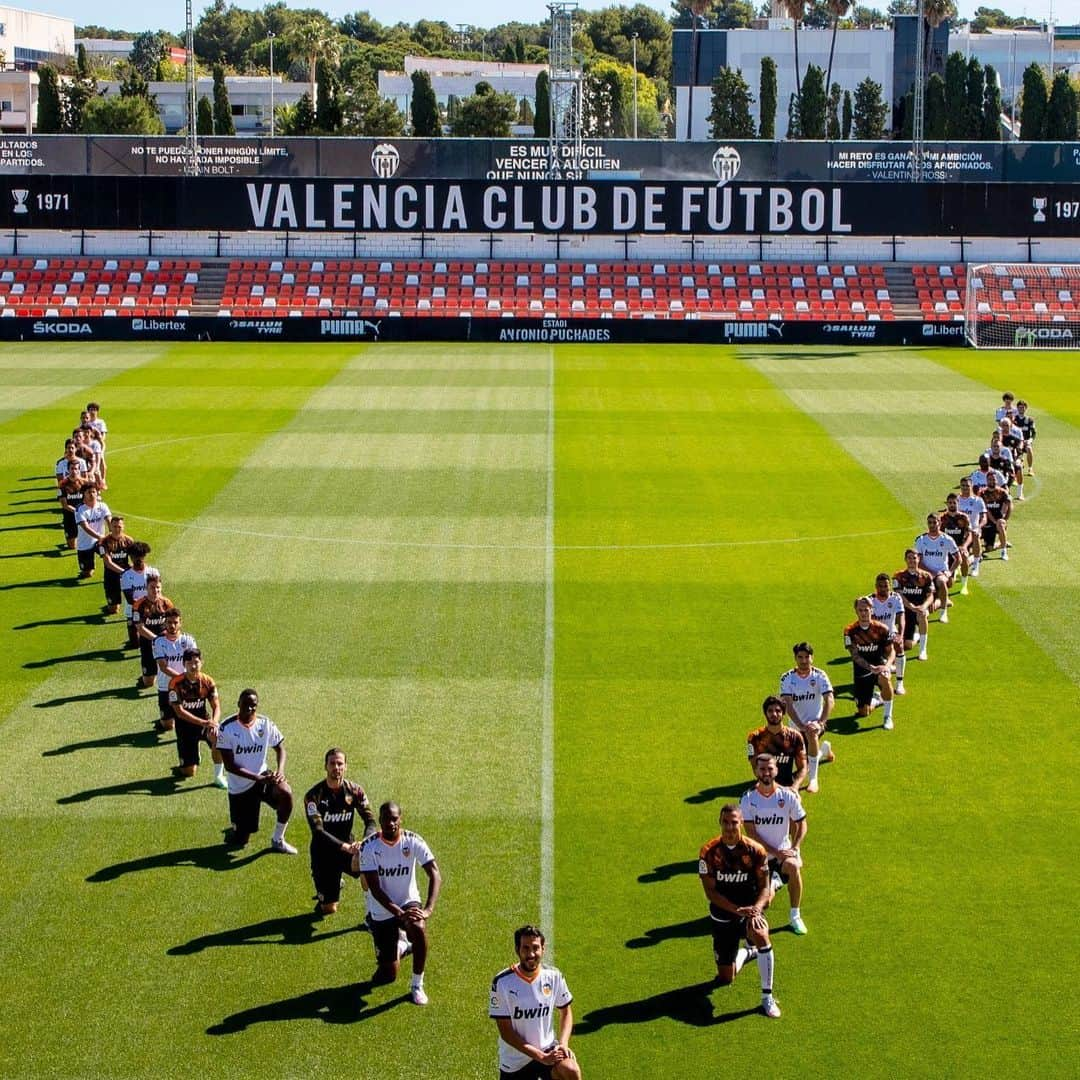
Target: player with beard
(956,525)
(71,463)
(115,552)
(1026,423)
(808,698)
(939,557)
(70,496)
(973,506)
(734,872)
(1001,459)
(774,817)
(524,1001)
(193,698)
(871,648)
(92,522)
(786,745)
(979,476)
(998,512)
(916,589)
(331,807)
(1012,438)
(888,609)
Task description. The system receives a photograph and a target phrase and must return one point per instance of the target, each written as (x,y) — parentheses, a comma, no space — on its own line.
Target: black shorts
(86,560)
(146,656)
(726,939)
(164,705)
(865,685)
(71,530)
(384,932)
(244,808)
(911,624)
(775,868)
(326,870)
(188,737)
(111,582)
(989,534)
(533,1071)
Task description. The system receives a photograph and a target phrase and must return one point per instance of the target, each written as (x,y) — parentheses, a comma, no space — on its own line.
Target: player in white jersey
(1007,408)
(938,556)
(808,698)
(168,652)
(775,818)
(971,504)
(92,522)
(388,860)
(133,586)
(244,742)
(102,429)
(888,608)
(525,999)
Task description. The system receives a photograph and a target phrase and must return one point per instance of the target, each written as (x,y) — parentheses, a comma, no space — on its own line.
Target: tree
(360,26)
(147,51)
(611,32)
(221,34)
(328,108)
(423,108)
(795,10)
(866,17)
(1033,105)
(121,116)
(846,119)
(869,111)
(731,101)
(767,99)
(832,127)
(719,14)
(837,9)
(132,83)
(542,120)
(223,121)
(50,114)
(485,114)
(605,95)
(991,118)
(204,117)
(812,104)
(366,112)
(973,103)
(1061,110)
(312,36)
(955,95)
(935,117)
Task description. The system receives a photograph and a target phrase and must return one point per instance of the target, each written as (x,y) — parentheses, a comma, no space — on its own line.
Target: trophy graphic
(20,195)
(1040,209)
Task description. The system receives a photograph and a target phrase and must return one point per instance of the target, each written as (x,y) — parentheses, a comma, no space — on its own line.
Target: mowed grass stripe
(653,703)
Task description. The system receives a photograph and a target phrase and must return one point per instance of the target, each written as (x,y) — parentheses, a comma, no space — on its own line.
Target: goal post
(1022,305)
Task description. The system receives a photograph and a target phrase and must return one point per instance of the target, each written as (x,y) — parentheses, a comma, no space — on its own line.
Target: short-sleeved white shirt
(250,747)
(396,866)
(63,467)
(135,581)
(172,652)
(807,694)
(887,611)
(97,517)
(530,1005)
(772,816)
(973,506)
(935,551)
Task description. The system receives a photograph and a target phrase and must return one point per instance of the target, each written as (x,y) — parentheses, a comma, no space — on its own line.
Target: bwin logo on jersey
(726,163)
(385,160)
(531,1014)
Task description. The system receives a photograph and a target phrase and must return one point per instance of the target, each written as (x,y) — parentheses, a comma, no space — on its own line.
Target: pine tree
(303,116)
(833,126)
(845,123)
(955,94)
(869,112)
(1033,106)
(50,115)
(812,103)
(223,121)
(973,106)
(731,100)
(1061,110)
(935,123)
(991,128)
(542,119)
(767,99)
(204,117)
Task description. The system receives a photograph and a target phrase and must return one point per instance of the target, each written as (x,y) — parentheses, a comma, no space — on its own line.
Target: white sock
(814,767)
(402,946)
(740,958)
(765,968)
(886,710)
(795,913)
(901,665)
(417,981)
(1020,490)
(279,830)
(219,768)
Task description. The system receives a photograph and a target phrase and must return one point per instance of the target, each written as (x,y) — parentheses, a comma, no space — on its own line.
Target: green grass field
(538,594)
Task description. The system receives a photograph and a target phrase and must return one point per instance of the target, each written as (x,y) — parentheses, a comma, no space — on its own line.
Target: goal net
(1022,306)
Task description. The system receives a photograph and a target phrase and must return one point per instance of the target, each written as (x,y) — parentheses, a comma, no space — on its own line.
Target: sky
(169,14)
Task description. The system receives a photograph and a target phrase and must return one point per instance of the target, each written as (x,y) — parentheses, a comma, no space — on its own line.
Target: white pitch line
(183,438)
(547,760)
(550,546)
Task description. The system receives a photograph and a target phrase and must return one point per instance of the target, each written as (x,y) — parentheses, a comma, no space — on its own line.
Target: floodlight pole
(270,38)
(191,166)
(634,42)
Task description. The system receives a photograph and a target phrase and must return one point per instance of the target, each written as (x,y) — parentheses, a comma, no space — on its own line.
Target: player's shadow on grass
(92,618)
(692,928)
(30,480)
(729,791)
(48,553)
(688,1004)
(667,871)
(333,1005)
(27,528)
(24,513)
(287,930)
(107,656)
(33,502)
(147,740)
(43,583)
(215,857)
(154,787)
(115,693)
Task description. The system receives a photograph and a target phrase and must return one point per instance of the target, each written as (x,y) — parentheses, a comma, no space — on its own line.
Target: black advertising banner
(615,160)
(469,206)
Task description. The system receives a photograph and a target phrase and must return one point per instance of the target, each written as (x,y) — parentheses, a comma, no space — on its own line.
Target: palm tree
(314,37)
(796,9)
(935,12)
(838,9)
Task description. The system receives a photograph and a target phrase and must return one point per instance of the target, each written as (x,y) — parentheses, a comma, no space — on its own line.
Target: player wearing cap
(524,1002)
(938,556)
(331,807)
(786,745)
(388,861)
(734,872)
(888,609)
(808,698)
(193,698)
(244,742)
(871,647)
(774,817)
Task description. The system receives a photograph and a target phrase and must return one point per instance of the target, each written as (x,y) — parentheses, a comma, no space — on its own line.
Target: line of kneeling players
(758,850)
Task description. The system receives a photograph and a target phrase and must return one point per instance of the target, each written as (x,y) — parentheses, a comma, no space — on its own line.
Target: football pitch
(538,594)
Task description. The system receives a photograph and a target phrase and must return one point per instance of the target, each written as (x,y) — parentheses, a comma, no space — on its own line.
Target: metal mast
(192,141)
(918,99)
(566,88)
